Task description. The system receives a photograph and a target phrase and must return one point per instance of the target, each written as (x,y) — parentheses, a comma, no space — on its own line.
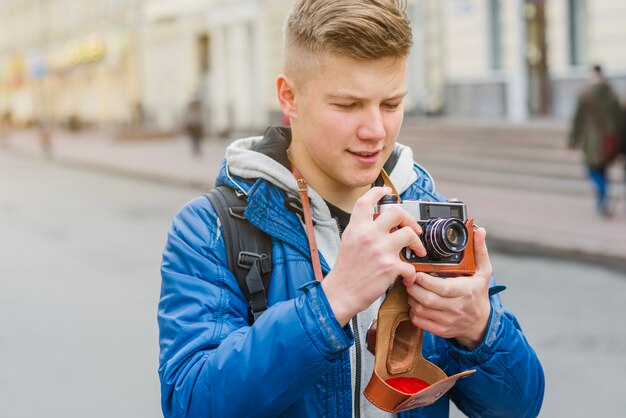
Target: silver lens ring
(437,231)
(437,236)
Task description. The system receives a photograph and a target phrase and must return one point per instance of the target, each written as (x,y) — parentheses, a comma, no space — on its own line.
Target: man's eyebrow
(349,96)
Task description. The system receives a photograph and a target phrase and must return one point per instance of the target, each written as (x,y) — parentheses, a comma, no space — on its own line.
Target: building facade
(227,52)
(118,61)
(68,61)
(174,48)
(526,58)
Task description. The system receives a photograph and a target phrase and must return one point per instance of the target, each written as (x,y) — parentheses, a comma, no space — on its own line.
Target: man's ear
(286,96)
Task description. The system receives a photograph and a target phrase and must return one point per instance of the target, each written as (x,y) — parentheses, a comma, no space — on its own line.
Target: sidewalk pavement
(519,221)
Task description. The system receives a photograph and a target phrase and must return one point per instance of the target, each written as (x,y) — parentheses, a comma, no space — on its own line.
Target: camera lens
(444,237)
(454,236)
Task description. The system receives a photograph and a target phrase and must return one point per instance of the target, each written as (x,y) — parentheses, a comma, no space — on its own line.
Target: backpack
(249,249)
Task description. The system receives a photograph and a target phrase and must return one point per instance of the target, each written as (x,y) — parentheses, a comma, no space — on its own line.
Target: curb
(533,249)
(117,171)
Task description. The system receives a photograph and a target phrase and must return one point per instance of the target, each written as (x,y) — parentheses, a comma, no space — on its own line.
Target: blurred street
(80,284)
(96,97)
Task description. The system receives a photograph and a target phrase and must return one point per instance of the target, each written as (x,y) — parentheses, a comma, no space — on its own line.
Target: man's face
(347,118)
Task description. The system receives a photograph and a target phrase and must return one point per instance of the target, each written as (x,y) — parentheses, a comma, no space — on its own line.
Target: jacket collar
(259,168)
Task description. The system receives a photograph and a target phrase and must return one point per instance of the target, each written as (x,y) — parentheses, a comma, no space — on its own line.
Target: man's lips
(366,157)
(365,153)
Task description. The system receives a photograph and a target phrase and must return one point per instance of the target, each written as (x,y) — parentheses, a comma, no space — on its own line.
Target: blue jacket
(294,361)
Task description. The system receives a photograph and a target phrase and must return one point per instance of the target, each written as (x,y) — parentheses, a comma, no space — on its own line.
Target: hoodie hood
(266,157)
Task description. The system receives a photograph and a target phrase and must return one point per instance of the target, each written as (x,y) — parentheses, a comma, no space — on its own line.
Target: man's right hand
(369,256)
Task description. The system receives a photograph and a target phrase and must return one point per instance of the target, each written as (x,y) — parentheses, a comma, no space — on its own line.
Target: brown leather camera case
(466,267)
(399,345)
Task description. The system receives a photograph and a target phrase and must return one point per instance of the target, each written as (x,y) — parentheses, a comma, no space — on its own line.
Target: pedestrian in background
(5,125)
(623,143)
(194,127)
(594,129)
(345,66)
(44,133)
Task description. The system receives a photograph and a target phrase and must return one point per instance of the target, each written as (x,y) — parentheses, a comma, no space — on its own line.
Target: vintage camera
(446,233)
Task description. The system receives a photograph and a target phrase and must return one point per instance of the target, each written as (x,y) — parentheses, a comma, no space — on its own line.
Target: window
(495,34)
(577,31)
(204,57)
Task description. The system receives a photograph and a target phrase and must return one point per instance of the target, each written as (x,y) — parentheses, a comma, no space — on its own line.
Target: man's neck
(342,197)
(343,200)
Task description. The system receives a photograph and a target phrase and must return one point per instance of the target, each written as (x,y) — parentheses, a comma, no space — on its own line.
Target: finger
(481,254)
(363,208)
(446,288)
(394,216)
(422,296)
(408,281)
(428,325)
(435,315)
(406,271)
(406,237)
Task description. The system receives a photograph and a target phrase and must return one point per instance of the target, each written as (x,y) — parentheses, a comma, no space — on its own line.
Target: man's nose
(372,127)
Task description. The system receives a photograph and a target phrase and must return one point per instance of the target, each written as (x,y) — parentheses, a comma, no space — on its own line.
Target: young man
(342,88)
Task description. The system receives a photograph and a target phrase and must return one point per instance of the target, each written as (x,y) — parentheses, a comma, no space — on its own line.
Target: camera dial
(388,199)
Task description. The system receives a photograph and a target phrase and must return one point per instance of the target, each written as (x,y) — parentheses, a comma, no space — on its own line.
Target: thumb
(481,254)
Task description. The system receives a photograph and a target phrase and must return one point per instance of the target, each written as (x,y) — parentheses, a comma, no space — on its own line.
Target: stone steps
(524,159)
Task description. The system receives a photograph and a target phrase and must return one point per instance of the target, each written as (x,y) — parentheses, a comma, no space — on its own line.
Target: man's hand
(368,261)
(456,307)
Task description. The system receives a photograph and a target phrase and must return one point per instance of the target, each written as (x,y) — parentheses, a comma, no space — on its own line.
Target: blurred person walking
(139,115)
(44,132)
(622,138)
(193,125)
(5,123)
(594,130)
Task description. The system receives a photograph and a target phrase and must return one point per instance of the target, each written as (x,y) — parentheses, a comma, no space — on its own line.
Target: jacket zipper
(356,397)
(357,367)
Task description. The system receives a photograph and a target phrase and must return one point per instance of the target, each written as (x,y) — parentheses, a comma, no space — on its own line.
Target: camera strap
(310,233)
(388,183)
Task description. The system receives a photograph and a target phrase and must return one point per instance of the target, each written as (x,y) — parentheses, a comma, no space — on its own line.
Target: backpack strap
(249,249)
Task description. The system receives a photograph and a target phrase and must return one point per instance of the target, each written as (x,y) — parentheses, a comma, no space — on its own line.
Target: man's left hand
(454,307)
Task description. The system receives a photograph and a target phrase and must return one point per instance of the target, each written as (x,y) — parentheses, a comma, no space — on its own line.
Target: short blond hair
(359,29)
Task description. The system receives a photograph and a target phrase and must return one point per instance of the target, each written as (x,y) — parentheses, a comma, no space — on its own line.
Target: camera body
(447,234)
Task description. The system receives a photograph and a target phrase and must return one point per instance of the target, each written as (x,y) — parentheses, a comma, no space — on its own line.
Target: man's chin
(364,181)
